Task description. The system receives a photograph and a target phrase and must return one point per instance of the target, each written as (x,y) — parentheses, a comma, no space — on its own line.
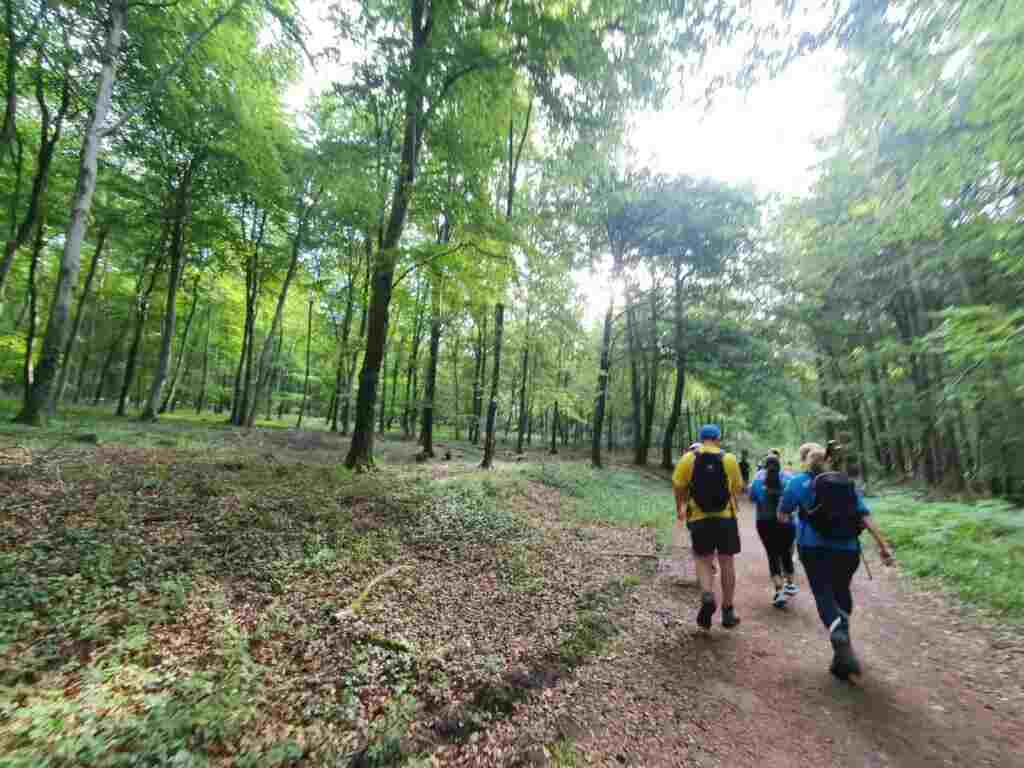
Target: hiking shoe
(844,663)
(791,588)
(707,610)
(779,601)
(729,617)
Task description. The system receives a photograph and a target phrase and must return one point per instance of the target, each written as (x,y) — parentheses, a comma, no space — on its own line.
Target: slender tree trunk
(108,363)
(523,415)
(305,211)
(667,457)
(479,373)
(431,384)
(181,213)
(201,400)
(602,388)
(492,406)
(396,371)
(30,336)
(83,303)
(36,404)
(634,383)
(182,347)
(141,312)
(360,452)
(305,380)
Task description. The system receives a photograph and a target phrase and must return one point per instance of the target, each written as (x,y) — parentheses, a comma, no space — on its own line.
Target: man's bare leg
(729,617)
(706,574)
(728,578)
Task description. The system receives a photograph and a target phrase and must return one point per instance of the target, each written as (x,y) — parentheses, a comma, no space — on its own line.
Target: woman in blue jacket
(829,561)
(776,536)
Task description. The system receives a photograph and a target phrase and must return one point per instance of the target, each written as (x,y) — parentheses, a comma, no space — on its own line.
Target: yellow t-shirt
(684,474)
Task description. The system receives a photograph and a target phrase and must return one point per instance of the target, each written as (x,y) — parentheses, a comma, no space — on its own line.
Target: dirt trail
(938,690)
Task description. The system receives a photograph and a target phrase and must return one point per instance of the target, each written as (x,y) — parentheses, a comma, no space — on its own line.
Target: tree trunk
(141,312)
(431,385)
(181,213)
(492,406)
(602,388)
(523,415)
(667,443)
(36,404)
(30,336)
(634,383)
(69,348)
(201,400)
(360,452)
(35,213)
(108,363)
(480,371)
(305,380)
(182,346)
(305,211)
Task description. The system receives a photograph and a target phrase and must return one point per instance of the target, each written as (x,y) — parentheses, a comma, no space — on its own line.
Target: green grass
(977,549)
(620,497)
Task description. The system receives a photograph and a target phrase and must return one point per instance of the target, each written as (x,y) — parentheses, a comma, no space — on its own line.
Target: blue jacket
(798,498)
(759,494)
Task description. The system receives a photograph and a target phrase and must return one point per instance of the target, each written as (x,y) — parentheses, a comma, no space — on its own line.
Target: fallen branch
(629,554)
(355,605)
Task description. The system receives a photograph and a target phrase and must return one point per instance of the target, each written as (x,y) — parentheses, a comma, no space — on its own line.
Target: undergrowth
(977,549)
(608,495)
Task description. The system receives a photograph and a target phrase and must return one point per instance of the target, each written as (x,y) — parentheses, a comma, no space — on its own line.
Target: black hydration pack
(709,487)
(835,513)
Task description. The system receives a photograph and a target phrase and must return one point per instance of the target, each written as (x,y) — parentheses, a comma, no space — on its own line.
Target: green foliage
(976,549)
(616,496)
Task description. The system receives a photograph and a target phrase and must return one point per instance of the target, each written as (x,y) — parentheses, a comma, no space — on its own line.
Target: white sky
(764,137)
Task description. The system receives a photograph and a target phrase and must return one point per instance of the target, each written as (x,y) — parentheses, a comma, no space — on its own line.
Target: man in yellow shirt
(707,483)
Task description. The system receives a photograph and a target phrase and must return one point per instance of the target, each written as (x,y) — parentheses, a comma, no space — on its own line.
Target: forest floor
(189,592)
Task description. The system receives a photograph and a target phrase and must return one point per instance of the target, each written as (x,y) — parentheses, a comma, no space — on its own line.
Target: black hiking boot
(844,663)
(729,617)
(707,610)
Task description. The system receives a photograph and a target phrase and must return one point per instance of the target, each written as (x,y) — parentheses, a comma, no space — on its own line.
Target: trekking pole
(866,566)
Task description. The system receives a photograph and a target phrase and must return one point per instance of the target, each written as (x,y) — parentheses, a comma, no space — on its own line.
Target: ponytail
(772,473)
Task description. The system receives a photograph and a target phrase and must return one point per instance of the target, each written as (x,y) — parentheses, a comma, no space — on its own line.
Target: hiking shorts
(715,534)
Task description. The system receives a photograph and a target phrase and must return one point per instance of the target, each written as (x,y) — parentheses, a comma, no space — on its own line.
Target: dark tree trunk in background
(201,400)
(523,414)
(83,303)
(479,373)
(181,214)
(431,387)
(33,311)
(305,379)
(172,386)
(634,384)
(492,406)
(602,389)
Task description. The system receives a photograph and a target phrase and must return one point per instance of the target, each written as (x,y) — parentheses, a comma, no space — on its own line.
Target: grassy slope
(977,549)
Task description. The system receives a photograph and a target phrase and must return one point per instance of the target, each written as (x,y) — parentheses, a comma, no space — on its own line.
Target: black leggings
(830,572)
(778,543)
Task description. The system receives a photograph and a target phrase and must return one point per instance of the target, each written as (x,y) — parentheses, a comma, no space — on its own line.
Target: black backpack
(835,512)
(709,487)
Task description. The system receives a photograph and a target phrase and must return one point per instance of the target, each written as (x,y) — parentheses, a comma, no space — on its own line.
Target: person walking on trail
(745,469)
(830,518)
(706,484)
(776,536)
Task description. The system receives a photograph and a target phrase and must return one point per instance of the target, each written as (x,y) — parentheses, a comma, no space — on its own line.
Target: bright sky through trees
(765,137)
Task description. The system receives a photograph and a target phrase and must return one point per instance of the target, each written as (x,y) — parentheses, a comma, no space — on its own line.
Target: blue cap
(710,432)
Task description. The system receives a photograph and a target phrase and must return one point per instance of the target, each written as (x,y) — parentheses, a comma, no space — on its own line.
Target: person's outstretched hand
(886,553)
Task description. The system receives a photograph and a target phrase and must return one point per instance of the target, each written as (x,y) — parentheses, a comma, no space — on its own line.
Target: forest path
(938,690)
